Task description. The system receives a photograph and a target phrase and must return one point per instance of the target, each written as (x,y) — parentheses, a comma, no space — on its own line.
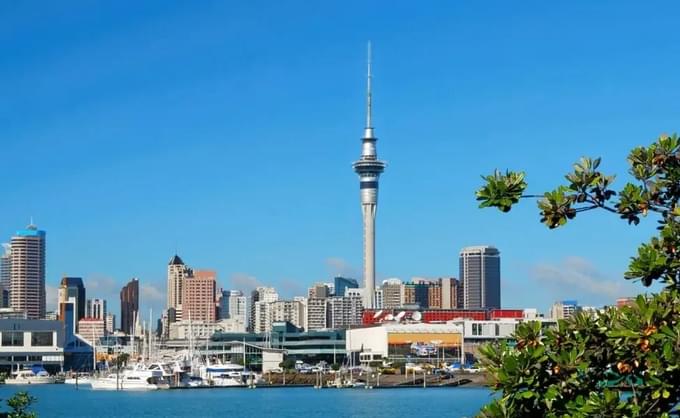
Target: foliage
(583,366)
(287,364)
(20,404)
(121,359)
(335,366)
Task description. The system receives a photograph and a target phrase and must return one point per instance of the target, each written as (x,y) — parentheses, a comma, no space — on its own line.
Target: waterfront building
(200,296)
(25,342)
(72,287)
(480,277)
(399,341)
(52,315)
(96,308)
(77,351)
(110,323)
(91,329)
(129,306)
(11,313)
(391,290)
(369,168)
(345,311)
(296,342)
(202,330)
(5,274)
(564,309)
(27,273)
(340,284)
(178,272)
(317,314)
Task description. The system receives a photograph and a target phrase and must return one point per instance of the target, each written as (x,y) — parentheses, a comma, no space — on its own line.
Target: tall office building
(340,284)
(564,309)
(129,306)
(449,290)
(317,314)
(480,277)
(392,293)
(177,275)
(345,311)
(27,274)
(234,305)
(96,308)
(110,323)
(265,295)
(318,291)
(199,297)
(369,168)
(293,311)
(5,274)
(72,288)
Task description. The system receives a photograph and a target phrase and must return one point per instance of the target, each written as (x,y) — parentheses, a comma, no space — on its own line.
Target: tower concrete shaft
(369,168)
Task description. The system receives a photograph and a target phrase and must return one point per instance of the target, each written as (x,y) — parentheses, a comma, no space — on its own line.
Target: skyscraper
(200,296)
(480,277)
(129,305)
(5,274)
(265,295)
(369,168)
(177,274)
(96,308)
(27,276)
(342,283)
(72,287)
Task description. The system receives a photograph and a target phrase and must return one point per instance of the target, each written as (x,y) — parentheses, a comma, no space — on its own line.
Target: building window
(12,339)
(41,339)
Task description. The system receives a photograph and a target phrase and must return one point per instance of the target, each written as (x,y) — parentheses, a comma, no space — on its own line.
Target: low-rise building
(182,330)
(25,342)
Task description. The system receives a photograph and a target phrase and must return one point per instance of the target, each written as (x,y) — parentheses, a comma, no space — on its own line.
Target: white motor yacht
(30,377)
(79,379)
(228,374)
(137,378)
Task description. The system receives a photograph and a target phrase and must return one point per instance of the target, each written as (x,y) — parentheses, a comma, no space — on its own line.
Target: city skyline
(470,100)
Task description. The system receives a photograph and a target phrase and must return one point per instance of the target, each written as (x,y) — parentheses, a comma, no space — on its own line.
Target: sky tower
(368,167)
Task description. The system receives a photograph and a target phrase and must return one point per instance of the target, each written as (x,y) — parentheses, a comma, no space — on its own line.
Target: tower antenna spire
(369,125)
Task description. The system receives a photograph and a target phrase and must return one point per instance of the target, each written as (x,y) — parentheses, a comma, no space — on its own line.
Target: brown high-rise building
(434,295)
(199,297)
(129,305)
(27,273)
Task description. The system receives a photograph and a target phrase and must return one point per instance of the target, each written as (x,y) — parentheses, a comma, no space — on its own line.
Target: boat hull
(38,380)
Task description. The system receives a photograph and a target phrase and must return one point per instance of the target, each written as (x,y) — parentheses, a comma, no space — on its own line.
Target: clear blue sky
(227,131)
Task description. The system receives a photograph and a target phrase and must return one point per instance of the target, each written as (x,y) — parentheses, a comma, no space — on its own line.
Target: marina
(61,401)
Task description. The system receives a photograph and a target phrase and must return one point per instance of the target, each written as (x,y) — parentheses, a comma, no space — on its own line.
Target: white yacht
(137,378)
(30,377)
(79,379)
(228,374)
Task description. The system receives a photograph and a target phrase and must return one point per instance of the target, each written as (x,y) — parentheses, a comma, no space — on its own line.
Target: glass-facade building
(480,277)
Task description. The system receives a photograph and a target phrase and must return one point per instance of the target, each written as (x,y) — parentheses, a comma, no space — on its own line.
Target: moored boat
(35,376)
(138,378)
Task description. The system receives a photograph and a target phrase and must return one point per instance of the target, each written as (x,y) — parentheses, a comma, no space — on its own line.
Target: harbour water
(57,401)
